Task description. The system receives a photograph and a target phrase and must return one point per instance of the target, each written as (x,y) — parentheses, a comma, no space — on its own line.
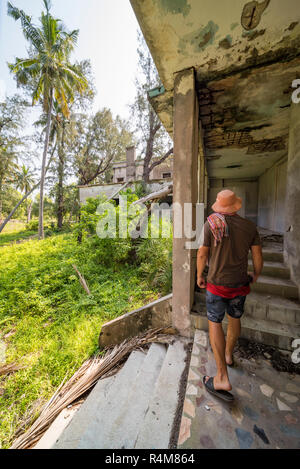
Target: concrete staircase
(136,408)
(272,310)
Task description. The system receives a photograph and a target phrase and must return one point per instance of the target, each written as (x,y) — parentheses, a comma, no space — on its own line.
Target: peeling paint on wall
(200,38)
(226,43)
(233,26)
(292,25)
(176,6)
(185,83)
(251,35)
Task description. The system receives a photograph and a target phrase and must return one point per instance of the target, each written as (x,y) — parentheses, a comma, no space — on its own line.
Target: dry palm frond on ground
(84,379)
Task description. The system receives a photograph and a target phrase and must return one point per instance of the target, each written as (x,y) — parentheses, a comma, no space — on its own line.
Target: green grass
(14,232)
(14,226)
(54,324)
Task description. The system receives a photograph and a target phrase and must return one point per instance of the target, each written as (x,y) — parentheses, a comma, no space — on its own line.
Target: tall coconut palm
(25,181)
(58,128)
(48,72)
(8,168)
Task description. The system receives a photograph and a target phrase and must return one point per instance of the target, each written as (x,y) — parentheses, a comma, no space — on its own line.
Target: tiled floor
(265,413)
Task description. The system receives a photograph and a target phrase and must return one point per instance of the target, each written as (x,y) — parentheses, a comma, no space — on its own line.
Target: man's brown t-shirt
(228,261)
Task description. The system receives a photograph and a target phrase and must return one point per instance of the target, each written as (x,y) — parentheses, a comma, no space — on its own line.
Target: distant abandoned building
(129,172)
(132,169)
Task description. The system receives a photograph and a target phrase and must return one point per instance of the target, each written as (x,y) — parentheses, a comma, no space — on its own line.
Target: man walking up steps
(226,243)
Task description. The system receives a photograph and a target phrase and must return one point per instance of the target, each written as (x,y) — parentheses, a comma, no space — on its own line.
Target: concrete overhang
(245,56)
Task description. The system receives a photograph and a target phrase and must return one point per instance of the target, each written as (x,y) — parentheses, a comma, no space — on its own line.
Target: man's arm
(202,257)
(257,260)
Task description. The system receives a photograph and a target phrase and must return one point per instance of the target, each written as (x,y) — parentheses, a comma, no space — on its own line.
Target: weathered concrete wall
(247,190)
(292,235)
(272,195)
(185,191)
(86,192)
(158,171)
(212,35)
(119,172)
(130,168)
(154,315)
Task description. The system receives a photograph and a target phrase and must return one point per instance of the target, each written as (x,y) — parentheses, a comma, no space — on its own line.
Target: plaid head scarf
(218,226)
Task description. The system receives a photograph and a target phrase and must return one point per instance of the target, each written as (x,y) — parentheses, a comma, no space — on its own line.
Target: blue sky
(108,37)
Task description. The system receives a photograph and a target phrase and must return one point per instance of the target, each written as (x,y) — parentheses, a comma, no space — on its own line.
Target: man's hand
(201,282)
(258,262)
(254,277)
(202,257)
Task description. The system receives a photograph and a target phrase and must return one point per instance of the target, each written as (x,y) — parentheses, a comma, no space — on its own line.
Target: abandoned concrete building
(132,169)
(226,101)
(128,172)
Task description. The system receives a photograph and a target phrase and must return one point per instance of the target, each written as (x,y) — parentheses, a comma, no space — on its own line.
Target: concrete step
(273,269)
(101,405)
(266,332)
(156,428)
(119,424)
(262,306)
(57,427)
(273,308)
(275,286)
(271,255)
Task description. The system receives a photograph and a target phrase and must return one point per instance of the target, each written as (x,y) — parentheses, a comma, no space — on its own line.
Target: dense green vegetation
(48,322)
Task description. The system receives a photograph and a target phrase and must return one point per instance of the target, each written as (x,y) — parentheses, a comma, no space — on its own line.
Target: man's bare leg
(233,333)
(217,341)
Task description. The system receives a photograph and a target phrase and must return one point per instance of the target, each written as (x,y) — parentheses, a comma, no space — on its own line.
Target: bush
(33,225)
(155,259)
(108,250)
(140,189)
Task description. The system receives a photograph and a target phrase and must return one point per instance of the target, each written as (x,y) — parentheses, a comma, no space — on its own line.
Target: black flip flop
(225,395)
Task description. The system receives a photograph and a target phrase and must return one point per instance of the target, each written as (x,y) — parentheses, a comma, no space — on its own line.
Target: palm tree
(25,181)
(58,128)
(48,72)
(8,168)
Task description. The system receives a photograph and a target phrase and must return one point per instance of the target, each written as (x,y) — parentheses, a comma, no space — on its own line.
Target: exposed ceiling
(246,57)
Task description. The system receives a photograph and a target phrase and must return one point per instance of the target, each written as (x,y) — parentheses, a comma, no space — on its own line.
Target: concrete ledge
(155,314)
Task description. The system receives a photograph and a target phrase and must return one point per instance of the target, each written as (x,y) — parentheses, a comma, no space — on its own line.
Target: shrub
(109,250)
(155,259)
(33,225)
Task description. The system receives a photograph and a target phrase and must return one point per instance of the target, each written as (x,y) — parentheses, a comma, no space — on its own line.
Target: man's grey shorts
(217,306)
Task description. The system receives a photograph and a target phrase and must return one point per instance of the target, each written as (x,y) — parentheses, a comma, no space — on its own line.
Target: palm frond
(30,32)
(61,98)
(38,91)
(49,29)
(48,5)
(74,77)
(22,63)
(22,75)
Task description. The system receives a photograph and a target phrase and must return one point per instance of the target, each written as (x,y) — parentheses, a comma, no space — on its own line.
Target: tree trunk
(60,187)
(43,172)
(1,198)
(17,206)
(25,196)
(29,210)
(149,150)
